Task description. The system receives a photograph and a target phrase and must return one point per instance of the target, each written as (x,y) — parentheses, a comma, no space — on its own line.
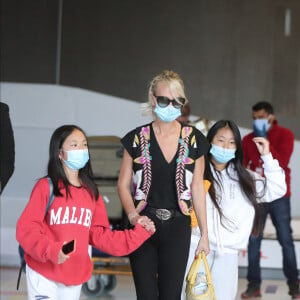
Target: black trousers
(158,266)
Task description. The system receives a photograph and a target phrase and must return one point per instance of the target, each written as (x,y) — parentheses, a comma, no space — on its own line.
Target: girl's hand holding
(262,144)
(147,223)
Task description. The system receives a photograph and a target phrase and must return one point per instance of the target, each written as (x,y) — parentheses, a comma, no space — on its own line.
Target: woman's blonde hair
(172,80)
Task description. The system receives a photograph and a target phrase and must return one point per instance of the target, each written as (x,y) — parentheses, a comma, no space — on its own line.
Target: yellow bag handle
(191,277)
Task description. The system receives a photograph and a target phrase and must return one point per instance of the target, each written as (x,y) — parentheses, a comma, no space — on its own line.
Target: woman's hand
(203,245)
(262,144)
(62,257)
(147,223)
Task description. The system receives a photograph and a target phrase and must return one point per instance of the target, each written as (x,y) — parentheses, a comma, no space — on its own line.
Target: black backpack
(21,250)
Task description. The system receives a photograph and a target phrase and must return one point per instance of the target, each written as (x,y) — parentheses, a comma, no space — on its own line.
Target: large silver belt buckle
(163,214)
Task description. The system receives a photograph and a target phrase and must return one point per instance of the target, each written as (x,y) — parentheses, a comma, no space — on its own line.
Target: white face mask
(77,159)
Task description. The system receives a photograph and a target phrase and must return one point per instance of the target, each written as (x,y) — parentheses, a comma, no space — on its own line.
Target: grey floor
(124,290)
(275,289)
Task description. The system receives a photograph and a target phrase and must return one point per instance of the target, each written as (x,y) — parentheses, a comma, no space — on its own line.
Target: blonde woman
(165,162)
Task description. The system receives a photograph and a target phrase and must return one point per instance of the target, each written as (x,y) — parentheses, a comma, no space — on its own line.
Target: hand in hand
(147,223)
(62,257)
(262,144)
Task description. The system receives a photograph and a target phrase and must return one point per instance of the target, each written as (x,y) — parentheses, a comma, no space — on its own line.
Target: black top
(162,193)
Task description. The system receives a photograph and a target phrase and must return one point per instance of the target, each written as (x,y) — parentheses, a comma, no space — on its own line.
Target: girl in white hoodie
(232,201)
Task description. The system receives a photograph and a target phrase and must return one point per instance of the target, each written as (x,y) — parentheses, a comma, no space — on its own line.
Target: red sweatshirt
(281,146)
(80,218)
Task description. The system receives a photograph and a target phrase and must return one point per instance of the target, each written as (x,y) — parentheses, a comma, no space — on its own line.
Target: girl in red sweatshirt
(77,214)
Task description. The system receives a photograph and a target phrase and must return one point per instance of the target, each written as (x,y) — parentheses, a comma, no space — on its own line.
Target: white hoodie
(237,209)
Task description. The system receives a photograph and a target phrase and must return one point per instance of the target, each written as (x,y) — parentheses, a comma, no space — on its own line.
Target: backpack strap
(22,266)
(51,195)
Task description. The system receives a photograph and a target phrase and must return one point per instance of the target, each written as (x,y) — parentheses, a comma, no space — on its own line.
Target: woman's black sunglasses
(163,101)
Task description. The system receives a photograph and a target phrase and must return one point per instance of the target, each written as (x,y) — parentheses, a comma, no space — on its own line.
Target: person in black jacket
(7,146)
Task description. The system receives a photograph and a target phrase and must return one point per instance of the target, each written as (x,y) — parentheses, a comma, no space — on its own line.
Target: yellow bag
(197,291)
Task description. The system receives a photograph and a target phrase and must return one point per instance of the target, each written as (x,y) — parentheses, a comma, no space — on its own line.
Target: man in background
(281,146)
(200,123)
(7,147)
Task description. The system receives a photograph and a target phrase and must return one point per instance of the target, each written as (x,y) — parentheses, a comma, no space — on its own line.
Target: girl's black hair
(55,168)
(245,180)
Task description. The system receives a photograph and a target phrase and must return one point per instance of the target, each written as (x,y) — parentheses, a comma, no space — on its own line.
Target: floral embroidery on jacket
(141,193)
(182,160)
(142,178)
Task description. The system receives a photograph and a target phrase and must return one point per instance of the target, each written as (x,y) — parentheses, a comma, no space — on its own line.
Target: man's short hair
(263,105)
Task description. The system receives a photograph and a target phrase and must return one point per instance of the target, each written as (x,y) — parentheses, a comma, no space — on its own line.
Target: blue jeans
(280,212)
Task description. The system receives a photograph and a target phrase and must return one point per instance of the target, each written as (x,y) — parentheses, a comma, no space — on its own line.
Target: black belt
(163,213)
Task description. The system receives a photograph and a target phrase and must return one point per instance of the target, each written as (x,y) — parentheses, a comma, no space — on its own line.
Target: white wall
(36,110)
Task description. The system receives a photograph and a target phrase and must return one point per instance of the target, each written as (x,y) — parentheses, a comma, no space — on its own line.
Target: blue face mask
(222,155)
(261,127)
(167,114)
(77,159)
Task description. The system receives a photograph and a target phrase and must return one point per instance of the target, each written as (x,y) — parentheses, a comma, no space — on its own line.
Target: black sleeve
(7,146)
(128,140)
(202,143)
